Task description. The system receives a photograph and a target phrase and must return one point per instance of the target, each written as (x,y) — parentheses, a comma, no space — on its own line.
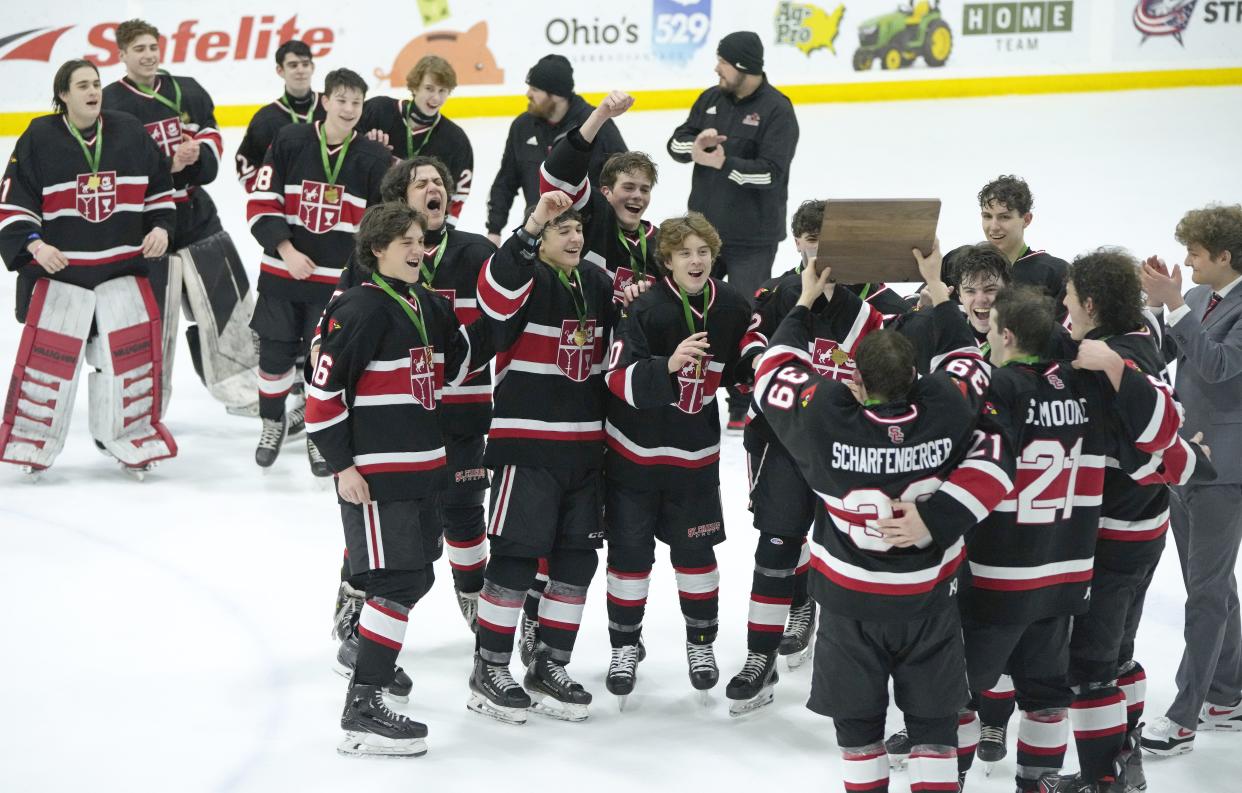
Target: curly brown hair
(1217,227)
(381,224)
(674,231)
(131,29)
(399,176)
(1011,192)
(1109,277)
(809,218)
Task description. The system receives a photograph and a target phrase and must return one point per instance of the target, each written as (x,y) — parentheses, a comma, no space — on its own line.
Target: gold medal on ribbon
(185,118)
(92,183)
(331,195)
(580,337)
(839,356)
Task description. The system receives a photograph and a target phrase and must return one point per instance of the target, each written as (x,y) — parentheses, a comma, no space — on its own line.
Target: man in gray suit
(1205,327)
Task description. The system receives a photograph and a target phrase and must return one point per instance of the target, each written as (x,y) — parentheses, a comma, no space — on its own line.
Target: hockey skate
(468,602)
(348,609)
(297,422)
(528,631)
(991,748)
(271,437)
(1135,778)
(32,473)
(318,465)
(138,472)
(704,674)
(752,688)
(398,689)
(494,693)
(553,692)
(1055,783)
(898,748)
(372,729)
(622,672)
(797,640)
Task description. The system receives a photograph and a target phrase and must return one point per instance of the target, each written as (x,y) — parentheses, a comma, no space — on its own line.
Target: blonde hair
(434,66)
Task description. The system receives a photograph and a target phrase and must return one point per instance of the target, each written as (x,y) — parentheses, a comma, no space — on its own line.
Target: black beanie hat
(743,51)
(554,74)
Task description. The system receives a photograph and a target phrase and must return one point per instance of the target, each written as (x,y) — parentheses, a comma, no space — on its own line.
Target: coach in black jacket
(552,110)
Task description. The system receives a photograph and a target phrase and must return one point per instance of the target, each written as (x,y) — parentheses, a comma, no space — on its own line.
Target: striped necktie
(1213,301)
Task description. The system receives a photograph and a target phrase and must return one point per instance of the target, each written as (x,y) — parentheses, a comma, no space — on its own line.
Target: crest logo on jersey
(831,361)
(1056,381)
(695,383)
(320,208)
(896,435)
(423,376)
(166,134)
(448,294)
(96,198)
(626,277)
(575,350)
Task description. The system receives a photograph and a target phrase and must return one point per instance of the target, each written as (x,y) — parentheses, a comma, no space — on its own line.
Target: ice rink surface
(173,635)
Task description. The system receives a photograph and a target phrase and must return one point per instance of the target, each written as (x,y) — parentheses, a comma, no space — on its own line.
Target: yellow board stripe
(879,91)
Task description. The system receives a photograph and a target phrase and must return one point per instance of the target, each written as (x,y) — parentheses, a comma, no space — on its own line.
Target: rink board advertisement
(650,45)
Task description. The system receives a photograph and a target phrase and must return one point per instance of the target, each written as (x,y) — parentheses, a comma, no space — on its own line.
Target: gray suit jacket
(1209,377)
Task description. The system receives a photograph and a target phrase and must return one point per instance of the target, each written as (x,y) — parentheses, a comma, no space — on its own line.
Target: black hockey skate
(898,748)
(991,748)
(398,689)
(1134,778)
(704,674)
(348,608)
(796,641)
(372,729)
(494,693)
(1055,783)
(271,437)
(297,422)
(318,465)
(528,633)
(622,672)
(751,688)
(553,692)
(468,602)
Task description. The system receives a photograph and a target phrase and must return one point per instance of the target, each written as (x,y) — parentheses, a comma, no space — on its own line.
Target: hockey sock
(467,553)
(564,598)
(967,740)
(933,753)
(864,769)
(698,588)
(276,375)
(381,632)
(996,705)
(1098,716)
(1042,737)
(802,579)
(533,595)
(629,577)
(500,603)
(772,591)
(1133,683)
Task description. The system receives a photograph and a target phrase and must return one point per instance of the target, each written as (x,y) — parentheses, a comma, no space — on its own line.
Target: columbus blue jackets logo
(694,383)
(166,134)
(320,208)
(423,376)
(575,350)
(831,361)
(96,196)
(1163,17)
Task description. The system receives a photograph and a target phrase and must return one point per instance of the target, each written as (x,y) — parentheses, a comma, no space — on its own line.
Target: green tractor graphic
(897,39)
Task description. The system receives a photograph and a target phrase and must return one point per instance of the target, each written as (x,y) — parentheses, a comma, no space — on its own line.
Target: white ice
(173,635)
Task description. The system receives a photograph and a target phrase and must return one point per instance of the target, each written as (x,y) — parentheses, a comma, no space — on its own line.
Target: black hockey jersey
(929,448)
(372,400)
(293,201)
(48,190)
(262,130)
(194,118)
(746,198)
(626,255)
(408,136)
(549,393)
(1046,272)
(884,299)
(663,430)
(1033,557)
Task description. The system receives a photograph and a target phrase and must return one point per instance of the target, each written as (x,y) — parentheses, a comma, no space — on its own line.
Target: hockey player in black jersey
(675,347)
(550,320)
(416,126)
(389,347)
(299,104)
(1005,210)
(203,264)
(888,444)
(85,205)
(309,196)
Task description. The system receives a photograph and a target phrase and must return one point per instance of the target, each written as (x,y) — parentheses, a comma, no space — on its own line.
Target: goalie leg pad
(45,376)
(219,299)
(165,285)
(125,392)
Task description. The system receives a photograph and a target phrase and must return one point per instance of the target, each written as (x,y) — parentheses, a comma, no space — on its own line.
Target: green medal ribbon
(293,114)
(866,290)
(581,311)
(175,104)
(91,159)
(429,275)
(330,171)
(639,267)
(409,134)
(405,306)
(708,293)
